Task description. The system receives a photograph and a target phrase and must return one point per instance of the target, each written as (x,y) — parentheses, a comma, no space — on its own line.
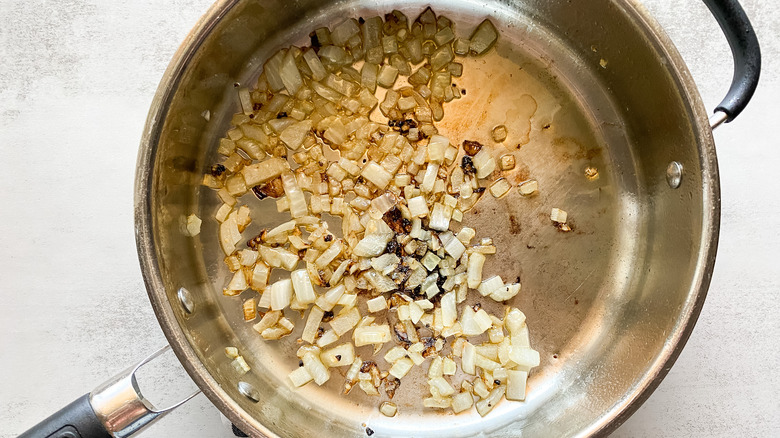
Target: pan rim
(605,424)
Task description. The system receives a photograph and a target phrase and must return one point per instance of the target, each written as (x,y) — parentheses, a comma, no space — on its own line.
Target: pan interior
(600,300)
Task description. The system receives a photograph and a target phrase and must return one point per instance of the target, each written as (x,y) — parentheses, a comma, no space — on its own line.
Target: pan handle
(747,58)
(115,409)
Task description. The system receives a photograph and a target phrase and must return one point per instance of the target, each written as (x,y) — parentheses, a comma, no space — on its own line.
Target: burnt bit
(497,382)
(320,332)
(327,316)
(417,291)
(395,220)
(476,307)
(257,240)
(273,189)
(315,42)
(338,357)
(369,431)
(467,164)
(361,20)
(400,333)
(517,280)
(576,301)
(428,352)
(471,147)
(281,115)
(463,91)
(367,365)
(257,106)
(328,237)
(479,190)
(257,190)
(406,125)
(217,170)
(514,225)
(236,84)
(399,277)
(301,254)
(397,300)
(391,384)
(547,126)
(391,18)
(393,248)
(300,363)
(564,228)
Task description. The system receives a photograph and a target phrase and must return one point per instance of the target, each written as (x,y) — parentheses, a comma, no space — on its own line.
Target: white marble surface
(76,80)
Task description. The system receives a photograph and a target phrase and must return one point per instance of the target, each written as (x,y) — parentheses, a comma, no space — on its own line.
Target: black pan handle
(745,50)
(76,420)
(115,408)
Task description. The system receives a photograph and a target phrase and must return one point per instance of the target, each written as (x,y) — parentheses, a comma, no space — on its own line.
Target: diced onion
(483,38)
(488,286)
(339,356)
(345,321)
(484,163)
(401,367)
(559,216)
(264,171)
(300,377)
(468,357)
(461,402)
(316,368)
(373,334)
(500,188)
(376,174)
(525,357)
(515,385)
(528,187)
(488,403)
(388,409)
(281,294)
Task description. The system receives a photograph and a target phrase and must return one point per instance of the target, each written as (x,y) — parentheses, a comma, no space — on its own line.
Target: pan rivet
(185,298)
(674,174)
(248,391)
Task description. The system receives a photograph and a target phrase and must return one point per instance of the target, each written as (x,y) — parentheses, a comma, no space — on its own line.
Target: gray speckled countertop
(76,81)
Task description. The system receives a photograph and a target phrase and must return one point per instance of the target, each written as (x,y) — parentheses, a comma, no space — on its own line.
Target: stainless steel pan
(610,304)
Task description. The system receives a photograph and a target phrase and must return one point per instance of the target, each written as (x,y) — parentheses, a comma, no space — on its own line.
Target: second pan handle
(747,57)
